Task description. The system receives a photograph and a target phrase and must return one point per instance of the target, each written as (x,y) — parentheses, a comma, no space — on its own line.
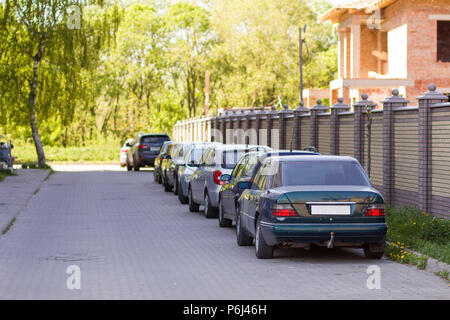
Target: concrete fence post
(242,124)
(314,133)
(259,115)
(337,108)
(389,105)
(214,127)
(283,126)
(297,124)
(425,144)
(248,126)
(270,116)
(360,110)
(224,126)
(233,117)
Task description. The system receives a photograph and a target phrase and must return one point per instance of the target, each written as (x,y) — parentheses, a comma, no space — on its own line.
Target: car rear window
(231,157)
(196,155)
(154,139)
(321,173)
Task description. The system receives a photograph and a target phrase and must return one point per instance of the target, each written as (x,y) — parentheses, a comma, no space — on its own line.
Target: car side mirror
(225,178)
(244,185)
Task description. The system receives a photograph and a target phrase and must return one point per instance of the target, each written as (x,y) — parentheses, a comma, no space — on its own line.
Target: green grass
(5,173)
(412,229)
(11,223)
(107,151)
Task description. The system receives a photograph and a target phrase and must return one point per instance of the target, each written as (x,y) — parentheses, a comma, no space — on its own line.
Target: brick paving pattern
(132,240)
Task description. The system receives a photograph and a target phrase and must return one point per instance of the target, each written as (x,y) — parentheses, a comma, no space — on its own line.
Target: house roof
(351,6)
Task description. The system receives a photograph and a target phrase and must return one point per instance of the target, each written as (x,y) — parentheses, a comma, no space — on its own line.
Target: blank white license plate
(330,210)
(154,149)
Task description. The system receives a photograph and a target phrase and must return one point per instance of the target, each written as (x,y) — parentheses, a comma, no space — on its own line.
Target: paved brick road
(132,240)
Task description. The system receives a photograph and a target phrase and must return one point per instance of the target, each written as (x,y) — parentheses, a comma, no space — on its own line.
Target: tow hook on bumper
(331,241)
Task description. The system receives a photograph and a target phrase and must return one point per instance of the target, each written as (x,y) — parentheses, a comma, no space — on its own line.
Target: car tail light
(216,177)
(142,146)
(283,210)
(375,211)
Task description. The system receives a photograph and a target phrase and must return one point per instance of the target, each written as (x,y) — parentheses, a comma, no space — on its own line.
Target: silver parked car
(170,165)
(124,152)
(205,183)
(190,163)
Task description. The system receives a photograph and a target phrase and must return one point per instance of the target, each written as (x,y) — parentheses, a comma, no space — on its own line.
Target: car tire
(183,199)
(159,179)
(175,185)
(193,207)
(129,168)
(374,250)
(167,187)
(136,166)
(210,211)
(242,236)
(223,222)
(262,249)
(155,176)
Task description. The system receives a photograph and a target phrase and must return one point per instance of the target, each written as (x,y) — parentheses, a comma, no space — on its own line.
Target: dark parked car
(159,159)
(144,149)
(190,164)
(205,183)
(238,180)
(169,167)
(296,201)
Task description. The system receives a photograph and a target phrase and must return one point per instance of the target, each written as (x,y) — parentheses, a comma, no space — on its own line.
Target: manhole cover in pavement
(73,257)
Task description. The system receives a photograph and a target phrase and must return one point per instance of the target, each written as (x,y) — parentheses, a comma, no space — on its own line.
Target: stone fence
(408,157)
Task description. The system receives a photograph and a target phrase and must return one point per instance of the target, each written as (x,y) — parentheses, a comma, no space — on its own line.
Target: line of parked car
(276,198)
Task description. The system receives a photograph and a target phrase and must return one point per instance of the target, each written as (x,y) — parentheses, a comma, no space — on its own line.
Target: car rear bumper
(147,160)
(214,196)
(277,233)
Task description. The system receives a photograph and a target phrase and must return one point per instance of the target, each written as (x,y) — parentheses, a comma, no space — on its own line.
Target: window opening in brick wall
(443,41)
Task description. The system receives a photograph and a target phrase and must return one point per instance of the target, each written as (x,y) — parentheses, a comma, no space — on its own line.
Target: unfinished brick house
(386,44)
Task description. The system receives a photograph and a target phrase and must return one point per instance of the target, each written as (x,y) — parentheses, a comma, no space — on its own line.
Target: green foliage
(420,231)
(142,65)
(5,173)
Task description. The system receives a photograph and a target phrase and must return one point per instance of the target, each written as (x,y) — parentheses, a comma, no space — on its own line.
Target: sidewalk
(16,191)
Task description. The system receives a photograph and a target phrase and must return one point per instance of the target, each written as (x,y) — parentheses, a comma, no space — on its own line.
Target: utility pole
(300,40)
(207,94)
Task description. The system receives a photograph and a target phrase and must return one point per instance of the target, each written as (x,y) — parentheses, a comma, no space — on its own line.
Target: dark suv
(144,149)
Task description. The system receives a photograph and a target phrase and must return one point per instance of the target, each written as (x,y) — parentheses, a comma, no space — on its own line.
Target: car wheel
(175,185)
(223,222)
(374,250)
(193,207)
(129,168)
(167,187)
(242,236)
(262,249)
(183,199)
(159,179)
(210,211)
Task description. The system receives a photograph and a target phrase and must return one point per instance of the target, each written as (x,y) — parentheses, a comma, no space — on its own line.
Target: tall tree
(45,31)
(190,42)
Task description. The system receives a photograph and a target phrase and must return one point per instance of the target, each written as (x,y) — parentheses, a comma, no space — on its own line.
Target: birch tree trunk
(32,108)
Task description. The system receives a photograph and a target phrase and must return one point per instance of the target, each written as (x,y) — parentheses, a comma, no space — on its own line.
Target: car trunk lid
(325,201)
